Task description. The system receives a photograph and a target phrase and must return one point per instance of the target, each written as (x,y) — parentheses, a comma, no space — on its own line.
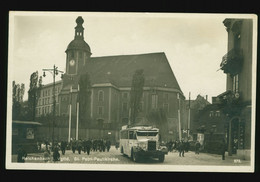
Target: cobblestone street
(115,157)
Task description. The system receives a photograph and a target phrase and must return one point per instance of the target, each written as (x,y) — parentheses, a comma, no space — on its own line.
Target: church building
(109,95)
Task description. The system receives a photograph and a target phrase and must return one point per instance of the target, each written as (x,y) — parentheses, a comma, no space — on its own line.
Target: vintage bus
(138,142)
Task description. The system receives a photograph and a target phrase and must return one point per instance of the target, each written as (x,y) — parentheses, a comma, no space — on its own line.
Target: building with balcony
(236,102)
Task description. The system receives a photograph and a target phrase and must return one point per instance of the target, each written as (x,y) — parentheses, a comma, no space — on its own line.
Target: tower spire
(79,30)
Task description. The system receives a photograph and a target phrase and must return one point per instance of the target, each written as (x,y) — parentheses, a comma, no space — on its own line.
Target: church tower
(77,53)
(77,58)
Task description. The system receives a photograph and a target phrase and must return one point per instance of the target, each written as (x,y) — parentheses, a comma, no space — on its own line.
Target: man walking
(108,145)
(63,146)
(79,146)
(73,145)
(88,146)
(197,147)
(223,148)
(56,154)
(181,148)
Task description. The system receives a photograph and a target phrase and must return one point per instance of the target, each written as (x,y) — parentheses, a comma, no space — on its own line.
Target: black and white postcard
(131,91)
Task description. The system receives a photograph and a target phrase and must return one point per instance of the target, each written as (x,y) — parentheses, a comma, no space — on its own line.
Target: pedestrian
(187,146)
(176,145)
(181,148)
(47,144)
(197,147)
(223,148)
(21,154)
(103,145)
(73,145)
(108,145)
(117,145)
(88,146)
(79,146)
(56,154)
(94,145)
(169,145)
(39,146)
(46,155)
(63,146)
(84,145)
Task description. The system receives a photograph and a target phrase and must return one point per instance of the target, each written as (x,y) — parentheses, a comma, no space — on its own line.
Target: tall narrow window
(217,114)
(124,107)
(235,83)
(100,95)
(100,110)
(154,101)
(211,113)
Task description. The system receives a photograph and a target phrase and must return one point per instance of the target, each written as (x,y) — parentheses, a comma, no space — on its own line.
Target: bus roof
(142,128)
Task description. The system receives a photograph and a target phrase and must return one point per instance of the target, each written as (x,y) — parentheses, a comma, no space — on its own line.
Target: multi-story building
(45,101)
(236,102)
(229,115)
(209,126)
(193,110)
(111,80)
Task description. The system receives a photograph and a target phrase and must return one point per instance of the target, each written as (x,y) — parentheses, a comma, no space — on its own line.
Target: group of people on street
(94,145)
(86,146)
(181,146)
(103,145)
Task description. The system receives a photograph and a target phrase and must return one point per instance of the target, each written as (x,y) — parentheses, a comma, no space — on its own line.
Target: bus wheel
(161,158)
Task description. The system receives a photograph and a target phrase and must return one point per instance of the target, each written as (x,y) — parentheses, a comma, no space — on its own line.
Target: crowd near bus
(76,146)
(181,146)
(104,145)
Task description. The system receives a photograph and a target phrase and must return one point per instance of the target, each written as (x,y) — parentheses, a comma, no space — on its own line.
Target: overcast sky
(194,44)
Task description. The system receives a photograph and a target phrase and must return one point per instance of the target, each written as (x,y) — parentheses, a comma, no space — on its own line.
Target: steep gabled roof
(119,70)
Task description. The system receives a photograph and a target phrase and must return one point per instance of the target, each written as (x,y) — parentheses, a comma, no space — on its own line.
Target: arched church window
(100,95)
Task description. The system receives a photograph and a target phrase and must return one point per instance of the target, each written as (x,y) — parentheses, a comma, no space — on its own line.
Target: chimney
(206,97)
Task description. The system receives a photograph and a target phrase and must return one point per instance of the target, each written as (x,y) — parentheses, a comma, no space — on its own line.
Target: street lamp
(54,72)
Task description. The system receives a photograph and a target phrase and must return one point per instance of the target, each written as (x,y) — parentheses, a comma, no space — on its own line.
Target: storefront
(24,134)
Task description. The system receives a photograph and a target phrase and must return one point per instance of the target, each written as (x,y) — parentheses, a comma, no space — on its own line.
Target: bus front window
(146,133)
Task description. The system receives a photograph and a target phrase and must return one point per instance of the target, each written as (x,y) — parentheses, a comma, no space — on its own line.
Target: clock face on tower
(72,62)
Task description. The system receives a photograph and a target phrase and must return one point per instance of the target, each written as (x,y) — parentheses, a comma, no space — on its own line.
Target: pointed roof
(79,43)
(119,70)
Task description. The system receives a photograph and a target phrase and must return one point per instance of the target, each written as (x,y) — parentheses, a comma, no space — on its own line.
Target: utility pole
(77,125)
(70,114)
(179,115)
(54,72)
(189,118)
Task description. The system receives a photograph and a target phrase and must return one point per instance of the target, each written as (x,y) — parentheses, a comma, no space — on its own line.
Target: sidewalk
(190,158)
